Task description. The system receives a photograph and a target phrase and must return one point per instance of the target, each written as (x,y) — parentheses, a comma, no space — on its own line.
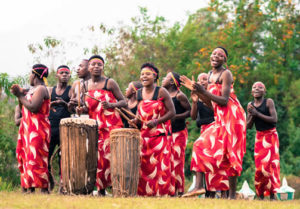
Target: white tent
(285,192)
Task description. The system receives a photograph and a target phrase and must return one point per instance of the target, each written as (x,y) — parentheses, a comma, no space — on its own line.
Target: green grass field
(18,200)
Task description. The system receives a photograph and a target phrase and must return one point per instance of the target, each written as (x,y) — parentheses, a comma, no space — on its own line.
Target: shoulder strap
(217,81)
(209,74)
(105,85)
(155,95)
(139,95)
(53,93)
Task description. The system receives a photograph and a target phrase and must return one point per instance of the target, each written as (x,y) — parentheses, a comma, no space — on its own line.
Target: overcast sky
(29,21)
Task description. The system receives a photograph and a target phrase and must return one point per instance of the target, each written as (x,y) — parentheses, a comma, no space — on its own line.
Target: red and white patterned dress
(223,144)
(266,156)
(217,181)
(178,150)
(32,146)
(155,172)
(107,119)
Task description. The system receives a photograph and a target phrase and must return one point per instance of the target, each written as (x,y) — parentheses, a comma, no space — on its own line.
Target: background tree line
(261,36)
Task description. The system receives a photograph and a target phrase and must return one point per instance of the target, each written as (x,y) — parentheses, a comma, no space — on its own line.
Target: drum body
(125,161)
(78,141)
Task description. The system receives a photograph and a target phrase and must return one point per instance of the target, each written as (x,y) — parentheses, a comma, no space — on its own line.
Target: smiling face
(96,67)
(147,77)
(258,90)
(203,80)
(217,58)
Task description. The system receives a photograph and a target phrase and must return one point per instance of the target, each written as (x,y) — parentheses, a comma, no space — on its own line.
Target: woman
(155,109)
(103,95)
(179,131)
(34,132)
(263,114)
(221,147)
(204,115)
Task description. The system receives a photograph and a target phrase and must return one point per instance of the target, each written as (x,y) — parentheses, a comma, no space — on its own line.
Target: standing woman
(179,131)
(263,114)
(108,92)
(155,109)
(221,146)
(34,132)
(204,116)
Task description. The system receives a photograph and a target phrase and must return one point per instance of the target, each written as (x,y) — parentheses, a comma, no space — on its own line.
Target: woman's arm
(18,115)
(114,87)
(37,99)
(250,118)
(194,110)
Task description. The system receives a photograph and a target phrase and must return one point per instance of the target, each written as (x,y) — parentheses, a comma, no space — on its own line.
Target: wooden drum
(78,141)
(125,161)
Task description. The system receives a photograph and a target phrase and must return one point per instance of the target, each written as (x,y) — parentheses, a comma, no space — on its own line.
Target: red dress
(155,172)
(222,145)
(266,156)
(178,150)
(32,146)
(107,119)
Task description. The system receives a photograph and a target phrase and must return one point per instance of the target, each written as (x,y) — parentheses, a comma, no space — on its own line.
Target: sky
(23,22)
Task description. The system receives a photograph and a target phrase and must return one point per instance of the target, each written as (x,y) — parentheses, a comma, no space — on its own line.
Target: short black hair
(39,70)
(96,56)
(152,66)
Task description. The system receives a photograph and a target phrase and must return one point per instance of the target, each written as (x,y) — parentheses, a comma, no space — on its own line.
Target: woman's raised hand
(185,81)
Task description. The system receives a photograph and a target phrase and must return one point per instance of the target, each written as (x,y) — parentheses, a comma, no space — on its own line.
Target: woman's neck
(258,100)
(217,69)
(96,79)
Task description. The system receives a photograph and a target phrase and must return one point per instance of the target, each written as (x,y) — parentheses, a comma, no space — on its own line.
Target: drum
(79,152)
(125,161)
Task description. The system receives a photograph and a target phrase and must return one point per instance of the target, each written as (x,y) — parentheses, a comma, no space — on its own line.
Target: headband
(175,81)
(223,52)
(148,69)
(62,69)
(260,84)
(41,75)
(135,89)
(97,59)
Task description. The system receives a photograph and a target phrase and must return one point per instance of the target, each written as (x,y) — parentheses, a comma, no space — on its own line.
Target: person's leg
(101,192)
(45,191)
(24,190)
(232,187)
(224,194)
(199,181)
(272,196)
(53,142)
(31,190)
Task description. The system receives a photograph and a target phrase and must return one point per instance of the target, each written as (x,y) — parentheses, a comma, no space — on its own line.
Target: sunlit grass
(18,200)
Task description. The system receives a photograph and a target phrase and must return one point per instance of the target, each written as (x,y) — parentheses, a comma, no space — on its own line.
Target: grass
(10,200)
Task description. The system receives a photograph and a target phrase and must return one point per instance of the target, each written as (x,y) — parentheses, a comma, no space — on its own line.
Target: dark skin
(63,78)
(148,80)
(40,93)
(82,73)
(39,90)
(202,80)
(18,115)
(217,59)
(131,96)
(169,84)
(258,93)
(97,81)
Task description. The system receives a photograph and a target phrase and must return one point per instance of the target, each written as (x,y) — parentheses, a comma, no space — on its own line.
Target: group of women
(160,113)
